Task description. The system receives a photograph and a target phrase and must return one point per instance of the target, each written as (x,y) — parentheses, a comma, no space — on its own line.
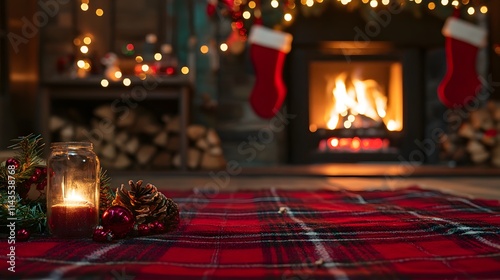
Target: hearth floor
(471,187)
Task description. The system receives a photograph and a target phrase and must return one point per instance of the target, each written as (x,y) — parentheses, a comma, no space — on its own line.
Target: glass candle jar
(72,190)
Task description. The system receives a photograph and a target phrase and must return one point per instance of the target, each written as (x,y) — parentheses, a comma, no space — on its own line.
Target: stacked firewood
(137,139)
(477,140)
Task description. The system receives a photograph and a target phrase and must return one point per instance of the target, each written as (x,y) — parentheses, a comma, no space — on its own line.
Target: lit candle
(74,218)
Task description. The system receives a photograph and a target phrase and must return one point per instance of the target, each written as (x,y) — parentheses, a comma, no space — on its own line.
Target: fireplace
(354,102)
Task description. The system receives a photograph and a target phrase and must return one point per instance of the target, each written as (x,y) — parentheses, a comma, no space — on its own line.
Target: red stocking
(268,50)
(461,82)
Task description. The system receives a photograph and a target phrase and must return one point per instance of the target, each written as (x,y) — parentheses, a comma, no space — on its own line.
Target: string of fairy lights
(244,13)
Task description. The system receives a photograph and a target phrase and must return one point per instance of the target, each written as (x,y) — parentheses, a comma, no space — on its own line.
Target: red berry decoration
(143,229)
(41,185)
(157,227)
(102,235)
(119,220)
(37,172)
(12,161)
(23,189)
(22,235)
(34,178)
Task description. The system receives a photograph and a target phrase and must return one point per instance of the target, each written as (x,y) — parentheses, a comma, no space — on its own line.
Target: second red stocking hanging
(461,82)
(268,49)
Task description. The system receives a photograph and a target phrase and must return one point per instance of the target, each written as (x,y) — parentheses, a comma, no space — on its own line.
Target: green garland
(31,213)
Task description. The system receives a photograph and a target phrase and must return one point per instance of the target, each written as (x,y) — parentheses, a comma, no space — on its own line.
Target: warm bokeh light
(80,63)
(431,6)
(471,11)
(418,1)
(158,56)
(87,40)
(145,67)
(104,83)
(77,42)
(139,59)
(86,66)
(223,47)
(204,49)
(118,74)
(455,3)
(483,9)
(246,15)
(366,1)
(373,3)
(252,4)
(385,2)
(287,16)
(184,70)
(84,49)
(445,2)
(275,3)
(84,7)
(465,2)
(309,3)
(127,82)
(257,13)
(99,12)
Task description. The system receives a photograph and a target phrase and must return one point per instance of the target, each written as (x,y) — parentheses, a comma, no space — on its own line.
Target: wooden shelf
(159,89)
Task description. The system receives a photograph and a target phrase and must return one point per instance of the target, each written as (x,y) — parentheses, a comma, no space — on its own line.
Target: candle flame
(73,196)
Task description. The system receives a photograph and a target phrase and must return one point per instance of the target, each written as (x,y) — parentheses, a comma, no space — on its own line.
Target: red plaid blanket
(276,234)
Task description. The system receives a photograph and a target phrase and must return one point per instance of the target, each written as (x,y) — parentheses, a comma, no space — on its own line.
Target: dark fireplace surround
(339,35)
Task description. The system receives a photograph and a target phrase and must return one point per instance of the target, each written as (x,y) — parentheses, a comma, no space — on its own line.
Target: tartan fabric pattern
(410,233)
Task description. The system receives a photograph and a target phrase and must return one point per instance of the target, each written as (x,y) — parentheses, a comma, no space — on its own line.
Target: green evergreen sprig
(29,151)
(107,195)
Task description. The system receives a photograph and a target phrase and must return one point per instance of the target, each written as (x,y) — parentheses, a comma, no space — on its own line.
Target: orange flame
(353,98)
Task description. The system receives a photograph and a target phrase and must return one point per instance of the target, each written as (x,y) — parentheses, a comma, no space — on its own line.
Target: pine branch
(29,216)
(29,151)
(107,195)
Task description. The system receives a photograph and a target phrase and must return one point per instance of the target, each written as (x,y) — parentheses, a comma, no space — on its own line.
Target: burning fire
(359,103)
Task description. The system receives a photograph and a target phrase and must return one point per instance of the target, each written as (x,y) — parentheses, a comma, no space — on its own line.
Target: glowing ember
(354,144)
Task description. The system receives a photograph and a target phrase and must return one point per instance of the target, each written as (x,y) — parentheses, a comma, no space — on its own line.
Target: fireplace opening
(362,98)
(364,106)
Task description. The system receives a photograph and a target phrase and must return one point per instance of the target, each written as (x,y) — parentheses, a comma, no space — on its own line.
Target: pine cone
(172,219)
(148,204)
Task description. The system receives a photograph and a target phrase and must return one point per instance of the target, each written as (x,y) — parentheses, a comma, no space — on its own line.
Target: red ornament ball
(22,235)
(12,161)
(119,220)
(102,235)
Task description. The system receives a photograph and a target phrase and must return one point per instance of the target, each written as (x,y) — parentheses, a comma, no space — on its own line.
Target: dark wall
(403,27)
(23,64)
